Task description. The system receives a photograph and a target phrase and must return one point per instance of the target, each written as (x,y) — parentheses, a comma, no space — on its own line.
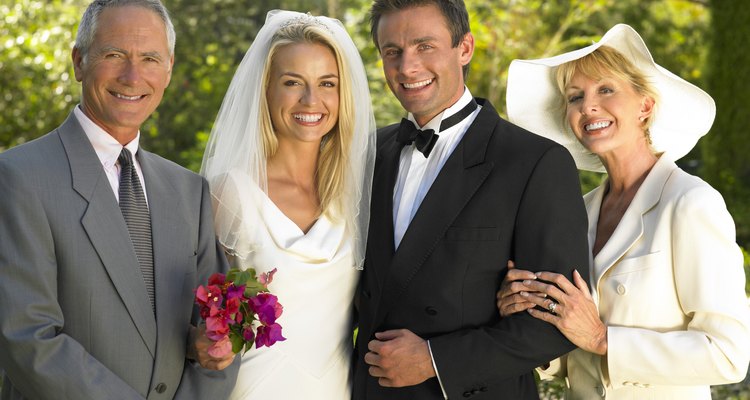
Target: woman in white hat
(667,314)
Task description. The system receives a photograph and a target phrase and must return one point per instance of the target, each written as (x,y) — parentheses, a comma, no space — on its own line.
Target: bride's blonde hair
(331,174)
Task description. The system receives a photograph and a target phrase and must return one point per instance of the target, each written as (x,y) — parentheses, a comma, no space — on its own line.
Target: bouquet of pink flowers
(239,311)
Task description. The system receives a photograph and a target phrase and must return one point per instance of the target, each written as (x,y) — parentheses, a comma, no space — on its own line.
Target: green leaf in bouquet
(237,343)
(248,346)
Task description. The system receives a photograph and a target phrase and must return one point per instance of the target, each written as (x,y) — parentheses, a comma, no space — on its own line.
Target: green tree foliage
(674,31)
(38,89)
(37,85)
(213,35)
(726,149)
(212,38)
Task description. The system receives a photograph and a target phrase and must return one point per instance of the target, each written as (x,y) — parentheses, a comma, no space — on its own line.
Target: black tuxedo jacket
(503,194)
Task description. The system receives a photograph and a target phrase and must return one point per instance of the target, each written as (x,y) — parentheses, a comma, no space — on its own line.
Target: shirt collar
(447,113)
(105,146)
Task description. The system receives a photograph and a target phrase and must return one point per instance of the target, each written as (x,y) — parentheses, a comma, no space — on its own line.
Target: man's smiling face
(126,70)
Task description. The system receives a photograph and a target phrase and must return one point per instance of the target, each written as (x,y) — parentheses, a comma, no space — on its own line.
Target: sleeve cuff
(437,374)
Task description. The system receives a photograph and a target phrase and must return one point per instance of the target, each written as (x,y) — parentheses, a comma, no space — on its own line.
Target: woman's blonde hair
(331,173)
(607,62)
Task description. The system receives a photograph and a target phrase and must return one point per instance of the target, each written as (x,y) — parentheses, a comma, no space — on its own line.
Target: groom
(450,205)
(98,265)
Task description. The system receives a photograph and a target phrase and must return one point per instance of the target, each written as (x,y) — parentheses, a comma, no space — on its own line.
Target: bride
(289,162)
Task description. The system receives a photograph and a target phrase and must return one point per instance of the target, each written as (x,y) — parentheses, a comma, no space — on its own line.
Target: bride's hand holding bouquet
(239,312)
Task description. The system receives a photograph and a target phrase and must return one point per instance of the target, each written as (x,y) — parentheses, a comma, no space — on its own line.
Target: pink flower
(267,307)
(268,335)
(248,334)
(233,308)
(217,279)
(216,327)
(231,316)
(266,277)
(235,291)
(208,295)
(221,348)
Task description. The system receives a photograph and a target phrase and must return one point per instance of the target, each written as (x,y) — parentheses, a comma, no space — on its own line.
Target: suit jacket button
(621,289)
(430,311)
(161,388)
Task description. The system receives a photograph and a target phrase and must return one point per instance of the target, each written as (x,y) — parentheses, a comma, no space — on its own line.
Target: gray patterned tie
(134,209)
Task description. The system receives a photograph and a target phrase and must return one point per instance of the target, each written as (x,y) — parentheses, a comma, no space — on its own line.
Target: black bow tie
(425,140)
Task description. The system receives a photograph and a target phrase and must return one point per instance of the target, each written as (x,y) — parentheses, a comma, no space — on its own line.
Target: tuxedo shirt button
(621,289)
(161,388)
(430,311)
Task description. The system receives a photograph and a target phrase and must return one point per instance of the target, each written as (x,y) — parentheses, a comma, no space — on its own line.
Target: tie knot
(125,158)
(424,140)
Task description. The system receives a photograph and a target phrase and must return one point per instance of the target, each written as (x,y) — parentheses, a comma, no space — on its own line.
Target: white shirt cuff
(437,374)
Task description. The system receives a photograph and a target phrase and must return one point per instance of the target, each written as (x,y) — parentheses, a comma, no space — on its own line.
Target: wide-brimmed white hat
(684,112)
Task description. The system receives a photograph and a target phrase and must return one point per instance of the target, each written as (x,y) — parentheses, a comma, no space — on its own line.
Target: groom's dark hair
(454,12)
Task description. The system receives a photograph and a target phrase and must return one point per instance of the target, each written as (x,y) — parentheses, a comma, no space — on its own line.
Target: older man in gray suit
(102,242)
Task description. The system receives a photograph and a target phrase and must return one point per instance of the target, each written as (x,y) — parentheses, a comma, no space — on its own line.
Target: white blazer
(670,286)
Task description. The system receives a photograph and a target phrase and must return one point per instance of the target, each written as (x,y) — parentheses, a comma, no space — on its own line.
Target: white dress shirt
(416,173)
(108,150)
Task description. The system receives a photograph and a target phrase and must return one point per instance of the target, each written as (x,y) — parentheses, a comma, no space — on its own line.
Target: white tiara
(306,19)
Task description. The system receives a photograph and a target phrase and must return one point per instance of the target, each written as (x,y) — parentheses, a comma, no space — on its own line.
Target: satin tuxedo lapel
(380,236)
(630,228)
(458,180)
(106,229)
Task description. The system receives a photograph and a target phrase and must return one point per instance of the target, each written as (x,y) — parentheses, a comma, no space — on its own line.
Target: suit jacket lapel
(106,229)
(630,228)
(458,180)
(168,248)
(380,236)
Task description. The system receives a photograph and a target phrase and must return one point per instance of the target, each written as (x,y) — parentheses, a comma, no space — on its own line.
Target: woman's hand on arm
(511,298)
(574,313)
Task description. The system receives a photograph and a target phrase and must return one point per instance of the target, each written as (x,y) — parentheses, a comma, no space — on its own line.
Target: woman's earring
(641,118)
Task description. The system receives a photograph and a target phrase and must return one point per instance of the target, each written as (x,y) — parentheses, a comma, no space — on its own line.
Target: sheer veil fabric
(234,163)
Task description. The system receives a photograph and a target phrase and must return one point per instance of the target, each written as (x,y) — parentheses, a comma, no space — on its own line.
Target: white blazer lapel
(593,203)
(630,228)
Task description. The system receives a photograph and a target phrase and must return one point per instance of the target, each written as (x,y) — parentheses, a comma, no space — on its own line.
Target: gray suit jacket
(75,319)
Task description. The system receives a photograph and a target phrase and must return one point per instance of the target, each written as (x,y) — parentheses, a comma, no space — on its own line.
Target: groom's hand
(399,358)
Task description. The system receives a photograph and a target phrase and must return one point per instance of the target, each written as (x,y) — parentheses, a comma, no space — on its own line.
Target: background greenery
(699,40)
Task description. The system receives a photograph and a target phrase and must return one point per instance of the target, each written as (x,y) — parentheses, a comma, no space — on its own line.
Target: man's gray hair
(89,22)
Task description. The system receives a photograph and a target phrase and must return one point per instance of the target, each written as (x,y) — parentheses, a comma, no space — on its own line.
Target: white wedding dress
(315,283)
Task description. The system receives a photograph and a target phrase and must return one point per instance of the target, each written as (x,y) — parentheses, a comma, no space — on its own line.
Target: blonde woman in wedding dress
(290,162)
